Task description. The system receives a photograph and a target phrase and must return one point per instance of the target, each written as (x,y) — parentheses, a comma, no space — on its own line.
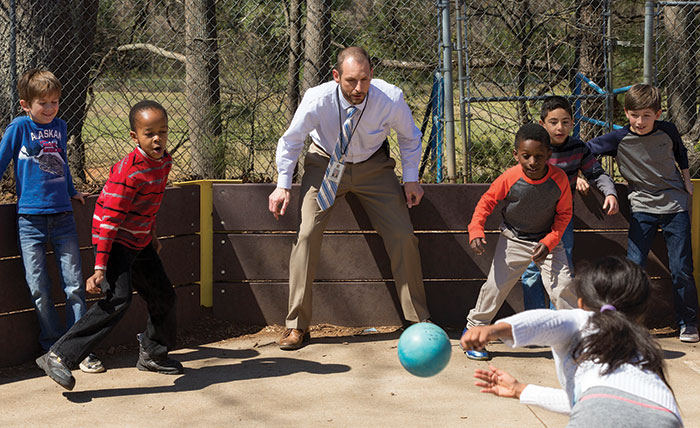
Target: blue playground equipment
(578,117)
(435,108)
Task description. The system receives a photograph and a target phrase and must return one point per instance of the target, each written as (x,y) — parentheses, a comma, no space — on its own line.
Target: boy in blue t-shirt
(654,161)
(36,143)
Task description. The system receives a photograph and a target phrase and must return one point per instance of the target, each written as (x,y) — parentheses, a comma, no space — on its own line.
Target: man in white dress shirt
(368,173)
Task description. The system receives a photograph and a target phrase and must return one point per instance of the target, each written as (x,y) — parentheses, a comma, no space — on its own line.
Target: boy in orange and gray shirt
(538,209)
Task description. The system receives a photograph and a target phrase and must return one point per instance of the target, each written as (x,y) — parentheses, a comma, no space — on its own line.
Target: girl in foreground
(610,368)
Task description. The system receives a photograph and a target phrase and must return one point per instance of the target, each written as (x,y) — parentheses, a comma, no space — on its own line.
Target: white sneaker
(689,333)
(91,364)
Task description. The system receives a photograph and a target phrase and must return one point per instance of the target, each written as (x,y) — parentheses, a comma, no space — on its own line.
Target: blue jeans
(676,230)
(35,232)
(533,289)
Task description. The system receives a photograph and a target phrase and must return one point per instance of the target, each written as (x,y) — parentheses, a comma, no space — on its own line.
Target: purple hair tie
(607,308)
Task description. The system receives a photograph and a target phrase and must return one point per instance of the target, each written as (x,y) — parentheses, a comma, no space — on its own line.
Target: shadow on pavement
(672,355)
(198,379)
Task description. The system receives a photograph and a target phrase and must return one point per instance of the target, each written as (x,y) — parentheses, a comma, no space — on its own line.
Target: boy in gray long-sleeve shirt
(654,161)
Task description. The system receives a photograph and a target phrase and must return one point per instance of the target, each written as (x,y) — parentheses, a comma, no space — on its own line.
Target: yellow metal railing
(206,238)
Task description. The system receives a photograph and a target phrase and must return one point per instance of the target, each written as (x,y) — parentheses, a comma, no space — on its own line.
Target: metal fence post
(459,21)
(13,56)
(649,7)
(447,76)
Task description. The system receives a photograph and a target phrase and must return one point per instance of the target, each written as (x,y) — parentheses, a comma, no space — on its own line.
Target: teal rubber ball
(424,349)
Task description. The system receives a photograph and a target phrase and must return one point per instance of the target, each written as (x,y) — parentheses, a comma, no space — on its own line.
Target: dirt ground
(346,377)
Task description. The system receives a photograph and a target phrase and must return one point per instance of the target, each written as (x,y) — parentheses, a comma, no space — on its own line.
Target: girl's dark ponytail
(617,290)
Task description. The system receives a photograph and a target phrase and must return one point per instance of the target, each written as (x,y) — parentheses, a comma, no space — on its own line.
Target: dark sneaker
(91,364)
(689,334)
(159,364)
(56,370)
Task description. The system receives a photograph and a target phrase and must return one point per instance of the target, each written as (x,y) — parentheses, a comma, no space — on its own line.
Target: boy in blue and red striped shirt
(126,255)
(571,155)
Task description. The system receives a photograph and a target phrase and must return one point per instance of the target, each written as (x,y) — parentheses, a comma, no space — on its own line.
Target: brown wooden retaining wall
(353,283)
(353,287)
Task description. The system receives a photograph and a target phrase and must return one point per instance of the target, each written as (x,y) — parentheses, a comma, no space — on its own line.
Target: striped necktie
(326,194)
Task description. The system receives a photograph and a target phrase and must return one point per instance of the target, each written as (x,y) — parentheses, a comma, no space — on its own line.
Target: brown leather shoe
(294,338)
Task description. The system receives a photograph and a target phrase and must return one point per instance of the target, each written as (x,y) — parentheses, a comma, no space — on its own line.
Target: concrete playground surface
(350,379)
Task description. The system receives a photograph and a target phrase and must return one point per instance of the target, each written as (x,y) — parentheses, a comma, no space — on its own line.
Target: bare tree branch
(153,49)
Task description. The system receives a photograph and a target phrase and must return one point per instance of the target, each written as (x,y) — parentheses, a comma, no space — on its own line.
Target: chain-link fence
(519,53)
(231,72)
(677,33)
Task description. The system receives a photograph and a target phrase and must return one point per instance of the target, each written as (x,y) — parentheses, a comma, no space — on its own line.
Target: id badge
(336,172)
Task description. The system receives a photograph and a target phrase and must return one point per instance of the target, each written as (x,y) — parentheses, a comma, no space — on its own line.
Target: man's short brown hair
(641,96)
(351,51)
(36,83)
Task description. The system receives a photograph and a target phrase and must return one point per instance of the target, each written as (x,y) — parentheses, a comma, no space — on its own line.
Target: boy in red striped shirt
(126,255)
(537,210)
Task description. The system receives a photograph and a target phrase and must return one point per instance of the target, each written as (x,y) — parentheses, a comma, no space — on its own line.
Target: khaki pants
(510,260)
(376,186)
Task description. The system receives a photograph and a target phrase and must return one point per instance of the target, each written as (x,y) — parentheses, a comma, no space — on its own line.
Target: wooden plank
(179,215)
(590,246)
(589,214)
(8,226)
(83,220)
(266,257)
(444,207)
(376,303)
(239,257)
(14,294)
(8,230)
(180,257)
(19,338)
(244,207)
(19,332)
(179,212)
(346,303)
(450,207)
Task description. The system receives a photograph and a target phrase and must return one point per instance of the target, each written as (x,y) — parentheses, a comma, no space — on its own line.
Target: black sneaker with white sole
(91,364)
(56,370)
(689,334)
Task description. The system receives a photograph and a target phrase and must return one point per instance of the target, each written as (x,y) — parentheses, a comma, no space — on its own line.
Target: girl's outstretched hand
(478,337)
(498,382)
